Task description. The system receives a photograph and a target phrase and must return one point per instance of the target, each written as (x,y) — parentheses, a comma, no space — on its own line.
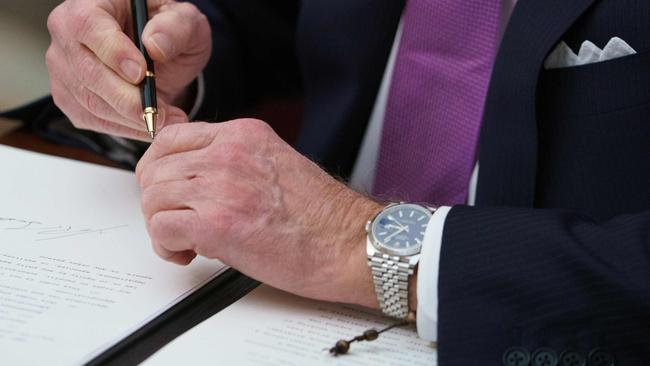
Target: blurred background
(23,42)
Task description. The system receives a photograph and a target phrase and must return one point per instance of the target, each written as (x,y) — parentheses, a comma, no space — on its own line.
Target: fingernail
(131,69)
(163,44)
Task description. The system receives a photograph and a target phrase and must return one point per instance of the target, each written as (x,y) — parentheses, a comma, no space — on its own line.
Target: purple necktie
(436,100)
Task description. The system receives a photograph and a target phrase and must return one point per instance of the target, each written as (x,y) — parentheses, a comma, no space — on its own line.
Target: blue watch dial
(400,229)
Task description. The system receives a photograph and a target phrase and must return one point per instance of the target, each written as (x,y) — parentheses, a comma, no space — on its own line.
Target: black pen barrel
(148,92)
(140,18)
(148,85)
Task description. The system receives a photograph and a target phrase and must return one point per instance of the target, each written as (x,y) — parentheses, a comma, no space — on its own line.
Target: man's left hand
(236,192)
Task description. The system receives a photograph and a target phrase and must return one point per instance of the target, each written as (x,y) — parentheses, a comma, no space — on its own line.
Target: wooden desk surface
(23,138)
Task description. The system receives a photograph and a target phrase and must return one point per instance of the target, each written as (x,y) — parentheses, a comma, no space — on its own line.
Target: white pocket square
(563,56)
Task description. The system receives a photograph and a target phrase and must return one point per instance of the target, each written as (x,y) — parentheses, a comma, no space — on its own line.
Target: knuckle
(203,125)
(50,57)
(82,18)
(159,250)
(168,135)
(122,102)
(202,19)
(140,170)
(253,124)
(188,9)
(55,21)
(160,226)
(147,202)
(109,42)
(144,175)
(90,101)
(156,228)
(251,128)
(58,95)
(89,70)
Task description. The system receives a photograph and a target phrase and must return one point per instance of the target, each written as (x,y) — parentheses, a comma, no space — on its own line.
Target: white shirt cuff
(200,95)
(429,268)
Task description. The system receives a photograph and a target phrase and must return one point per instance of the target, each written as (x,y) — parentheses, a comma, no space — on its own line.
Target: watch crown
(368,226)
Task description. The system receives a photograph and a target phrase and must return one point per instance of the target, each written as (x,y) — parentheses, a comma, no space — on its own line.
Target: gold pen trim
(150,74)
(149,116)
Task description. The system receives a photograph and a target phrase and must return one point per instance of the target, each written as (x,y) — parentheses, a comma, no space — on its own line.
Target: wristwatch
(394,242)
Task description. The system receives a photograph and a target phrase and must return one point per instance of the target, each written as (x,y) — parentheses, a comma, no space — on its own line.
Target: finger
(118,95)
(98,30)
(168,196)
(173,231)
(181,258)
(60,73)
(179,138)
(82,119)
(182,166)
(123,96)
(98,107)
(190,27)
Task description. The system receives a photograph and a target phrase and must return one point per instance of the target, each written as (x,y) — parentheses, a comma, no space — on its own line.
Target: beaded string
(343,346)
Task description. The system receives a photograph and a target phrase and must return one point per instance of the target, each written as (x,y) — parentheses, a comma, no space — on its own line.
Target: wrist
(356,285)
(361,284)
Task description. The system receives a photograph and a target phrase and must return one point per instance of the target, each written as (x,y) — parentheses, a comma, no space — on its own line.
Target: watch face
(399,230)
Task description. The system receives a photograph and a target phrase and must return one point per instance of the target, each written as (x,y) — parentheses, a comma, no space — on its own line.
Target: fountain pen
(148,85)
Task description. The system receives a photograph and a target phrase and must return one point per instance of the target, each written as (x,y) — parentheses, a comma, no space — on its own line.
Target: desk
(204,303)
(23,138)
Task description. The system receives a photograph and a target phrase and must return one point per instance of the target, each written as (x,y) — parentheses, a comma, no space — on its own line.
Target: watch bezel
(370,230)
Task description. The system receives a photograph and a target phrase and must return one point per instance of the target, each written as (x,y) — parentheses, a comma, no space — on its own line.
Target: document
(77,273)
(271,328)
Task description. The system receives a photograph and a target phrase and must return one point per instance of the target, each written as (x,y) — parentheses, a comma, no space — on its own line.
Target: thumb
(177,29)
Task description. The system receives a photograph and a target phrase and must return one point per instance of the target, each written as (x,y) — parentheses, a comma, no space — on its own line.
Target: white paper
(272,328)
(77,273)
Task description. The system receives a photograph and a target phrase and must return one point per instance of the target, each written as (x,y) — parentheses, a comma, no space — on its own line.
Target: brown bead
(410,317)
(370,334)
(342,347)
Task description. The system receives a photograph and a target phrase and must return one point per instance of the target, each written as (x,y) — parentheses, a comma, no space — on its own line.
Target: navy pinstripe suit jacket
(556,253)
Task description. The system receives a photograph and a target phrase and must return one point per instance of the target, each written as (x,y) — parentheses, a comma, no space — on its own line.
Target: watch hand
(394,234)
(391,226)
(398,223)
(405,227)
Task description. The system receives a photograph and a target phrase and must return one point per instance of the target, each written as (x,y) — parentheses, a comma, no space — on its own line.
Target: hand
(95,67)
(235,191)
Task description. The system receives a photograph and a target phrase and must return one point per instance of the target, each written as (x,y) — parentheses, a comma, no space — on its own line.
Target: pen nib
(150,117)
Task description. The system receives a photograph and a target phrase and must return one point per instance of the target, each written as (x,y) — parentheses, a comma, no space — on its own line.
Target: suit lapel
(508,143)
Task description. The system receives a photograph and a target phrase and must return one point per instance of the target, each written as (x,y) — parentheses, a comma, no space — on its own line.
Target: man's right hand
(95,68)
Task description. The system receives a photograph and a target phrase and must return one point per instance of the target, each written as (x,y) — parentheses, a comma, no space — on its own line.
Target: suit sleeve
(253,55)
(543,279)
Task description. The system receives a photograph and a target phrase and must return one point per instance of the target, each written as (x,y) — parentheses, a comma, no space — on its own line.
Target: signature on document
(45,232)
